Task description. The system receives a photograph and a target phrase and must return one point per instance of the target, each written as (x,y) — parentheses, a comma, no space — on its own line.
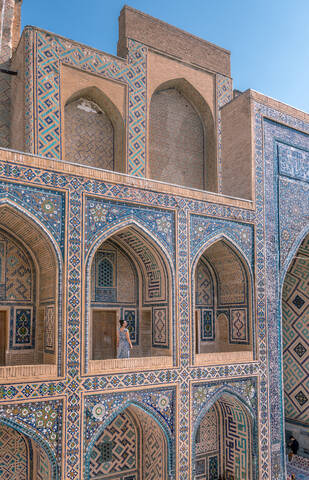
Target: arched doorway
(295,327)
(130,280)
(223,442)
(132,447)
(222,300)
(21,458)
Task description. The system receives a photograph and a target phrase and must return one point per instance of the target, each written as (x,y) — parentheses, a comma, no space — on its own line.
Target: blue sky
(268,39)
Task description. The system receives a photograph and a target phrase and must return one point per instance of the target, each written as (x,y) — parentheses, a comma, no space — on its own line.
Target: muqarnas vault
(210,272)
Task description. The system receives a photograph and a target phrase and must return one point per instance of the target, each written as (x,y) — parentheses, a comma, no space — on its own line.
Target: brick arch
(91,115)
(177,105)
(46,256)
(232,282)
(141,445)
(34,460)
(227,446)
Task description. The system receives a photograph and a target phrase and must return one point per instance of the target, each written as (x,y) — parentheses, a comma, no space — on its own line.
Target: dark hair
(121,322)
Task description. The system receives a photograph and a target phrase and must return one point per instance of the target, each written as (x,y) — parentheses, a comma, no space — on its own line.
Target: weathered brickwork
(198,276)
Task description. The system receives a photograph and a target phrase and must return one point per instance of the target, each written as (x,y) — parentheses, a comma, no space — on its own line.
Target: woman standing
(123,340)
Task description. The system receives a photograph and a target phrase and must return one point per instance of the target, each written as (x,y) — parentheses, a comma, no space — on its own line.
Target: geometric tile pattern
(122,434)
(160,326)
(49,329)
(295,305)
(43,465)
(236,433)
(50,51)
(23,328)
(207,325)
(293,162)
(18,271)
(239,326)
(13,455)
(290,196)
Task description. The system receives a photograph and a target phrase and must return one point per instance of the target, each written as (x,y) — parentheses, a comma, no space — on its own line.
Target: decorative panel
(13,455)
(239,327)
(49,329)
(23,328)
(207,325)
(160,327)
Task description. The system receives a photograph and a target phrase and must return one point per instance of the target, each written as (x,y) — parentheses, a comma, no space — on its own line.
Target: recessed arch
(34,460)
(148,311)
(295,343)
(147,440)
(182,138)
(94,130)
(223,438)
(224,326)
(34,328)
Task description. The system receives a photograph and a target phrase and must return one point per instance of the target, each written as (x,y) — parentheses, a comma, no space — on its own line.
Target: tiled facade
(74,409)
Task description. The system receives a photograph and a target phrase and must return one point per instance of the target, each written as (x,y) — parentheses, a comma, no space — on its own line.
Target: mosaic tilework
(203,285)
(237,440)
(13,455)
(160,326)
(293,215)
(101,213)
(224,93)
(46,205)
(17,271)
(50,52)
(203,229)
(154,450)
(121,433)
(49,329)
(269,133)
(239,326)
(23,328)
(100,410)
(130,316)
(295,307)
(207,325)
(293,162)
(43,465)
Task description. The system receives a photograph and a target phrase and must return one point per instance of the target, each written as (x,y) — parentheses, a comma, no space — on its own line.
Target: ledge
(27,372)
(226,358)
(129,364)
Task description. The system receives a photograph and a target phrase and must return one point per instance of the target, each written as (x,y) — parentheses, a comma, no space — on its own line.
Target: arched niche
(133,446)
(129,279)
(94,131)
(22,458)
(182,138)
(223,441)
(295,342)
(222,305)
(30,308)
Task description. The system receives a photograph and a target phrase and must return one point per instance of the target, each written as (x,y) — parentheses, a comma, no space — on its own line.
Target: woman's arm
(128,338)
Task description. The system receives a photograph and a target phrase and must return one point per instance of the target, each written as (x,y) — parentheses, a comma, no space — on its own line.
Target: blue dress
(124,346)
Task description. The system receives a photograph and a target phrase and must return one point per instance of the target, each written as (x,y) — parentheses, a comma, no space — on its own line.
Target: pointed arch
(193,137)
(154,305)
(90,112)
(46,255)
(34,439)
(294,309)
(141,414)
(232,275)
(233,412)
